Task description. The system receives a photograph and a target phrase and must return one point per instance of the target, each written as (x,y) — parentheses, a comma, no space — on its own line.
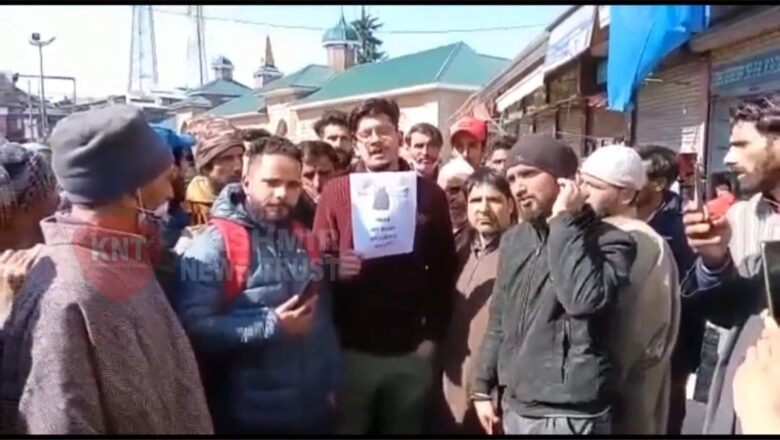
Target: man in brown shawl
(92,346)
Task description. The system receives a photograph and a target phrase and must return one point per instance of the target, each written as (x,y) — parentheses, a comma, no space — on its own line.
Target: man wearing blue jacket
(269,354)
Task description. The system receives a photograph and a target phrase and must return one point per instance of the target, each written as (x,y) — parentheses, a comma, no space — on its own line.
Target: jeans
(515,424)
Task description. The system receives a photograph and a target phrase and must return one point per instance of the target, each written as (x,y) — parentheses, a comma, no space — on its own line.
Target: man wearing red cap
(468,138)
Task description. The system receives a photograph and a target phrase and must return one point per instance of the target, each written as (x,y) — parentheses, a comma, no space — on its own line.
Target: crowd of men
(161,283)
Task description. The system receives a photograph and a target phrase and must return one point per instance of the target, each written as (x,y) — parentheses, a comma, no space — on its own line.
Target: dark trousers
(393,389)
(515,424)
(677,401)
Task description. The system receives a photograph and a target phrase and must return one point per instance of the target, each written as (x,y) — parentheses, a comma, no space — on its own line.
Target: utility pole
(29,112)
(196,46)
(35,40)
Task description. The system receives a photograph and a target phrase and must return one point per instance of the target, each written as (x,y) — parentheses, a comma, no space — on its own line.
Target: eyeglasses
(382,132)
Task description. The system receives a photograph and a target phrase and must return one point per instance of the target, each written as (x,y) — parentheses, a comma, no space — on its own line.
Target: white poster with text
(384,212)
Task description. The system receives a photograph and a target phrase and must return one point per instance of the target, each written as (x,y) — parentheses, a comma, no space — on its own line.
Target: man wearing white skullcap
(452,179)
(648,312)
(613,175)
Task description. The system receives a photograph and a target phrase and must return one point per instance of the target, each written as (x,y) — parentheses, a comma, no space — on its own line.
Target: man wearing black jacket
(559,273)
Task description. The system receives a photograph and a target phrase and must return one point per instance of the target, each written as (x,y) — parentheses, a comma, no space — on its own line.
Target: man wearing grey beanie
(560,272)
(92,346)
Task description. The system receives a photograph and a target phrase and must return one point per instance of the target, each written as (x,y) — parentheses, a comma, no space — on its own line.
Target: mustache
(278,205)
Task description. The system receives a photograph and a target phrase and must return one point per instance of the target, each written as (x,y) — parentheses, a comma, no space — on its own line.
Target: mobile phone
(310,290)
(770,253)
(699,191)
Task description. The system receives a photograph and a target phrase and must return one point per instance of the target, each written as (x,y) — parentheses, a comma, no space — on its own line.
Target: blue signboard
(570,38)
(760,68)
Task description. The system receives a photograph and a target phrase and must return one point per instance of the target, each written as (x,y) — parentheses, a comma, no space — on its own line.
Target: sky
(93,42)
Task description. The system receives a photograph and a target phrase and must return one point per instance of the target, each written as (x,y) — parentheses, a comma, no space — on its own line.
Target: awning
(603,16)
(640,38)
(570,38)
(522,89)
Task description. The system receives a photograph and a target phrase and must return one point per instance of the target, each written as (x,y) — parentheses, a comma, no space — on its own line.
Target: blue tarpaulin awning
(640,36)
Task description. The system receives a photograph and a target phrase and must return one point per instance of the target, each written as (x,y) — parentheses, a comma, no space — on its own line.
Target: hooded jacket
(266,380)
(92,346)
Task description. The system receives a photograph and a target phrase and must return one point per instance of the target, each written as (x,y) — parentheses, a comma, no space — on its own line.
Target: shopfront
(752,75)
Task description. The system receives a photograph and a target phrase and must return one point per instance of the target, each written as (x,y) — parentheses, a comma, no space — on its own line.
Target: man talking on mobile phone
(560,272)
(726,283)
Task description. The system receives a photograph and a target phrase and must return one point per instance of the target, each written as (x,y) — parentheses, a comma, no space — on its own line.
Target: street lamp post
(35,40)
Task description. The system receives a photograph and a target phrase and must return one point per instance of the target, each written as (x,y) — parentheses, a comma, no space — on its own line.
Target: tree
(366,26)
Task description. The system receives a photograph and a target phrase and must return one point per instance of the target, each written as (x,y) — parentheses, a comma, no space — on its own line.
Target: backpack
(238,253)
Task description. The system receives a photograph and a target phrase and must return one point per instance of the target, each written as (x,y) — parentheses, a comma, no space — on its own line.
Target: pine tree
(366,26)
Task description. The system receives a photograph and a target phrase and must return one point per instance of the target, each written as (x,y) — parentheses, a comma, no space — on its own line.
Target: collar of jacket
(770,201)
(492,244)
(360,167)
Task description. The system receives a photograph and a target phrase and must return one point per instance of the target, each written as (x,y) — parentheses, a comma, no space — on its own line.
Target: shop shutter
(571,126)
(545,123)
(525,127)
(606,124)
(672,112)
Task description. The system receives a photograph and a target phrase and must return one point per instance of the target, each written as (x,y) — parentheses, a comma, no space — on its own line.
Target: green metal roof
(222,87)
(192,101)
(454,64)
(342,32)
(311,76)
(243,104)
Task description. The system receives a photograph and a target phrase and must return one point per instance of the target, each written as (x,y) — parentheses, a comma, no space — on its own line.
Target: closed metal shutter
(525,126)
(545,123)
(606,124)
(671,112)
(571,127)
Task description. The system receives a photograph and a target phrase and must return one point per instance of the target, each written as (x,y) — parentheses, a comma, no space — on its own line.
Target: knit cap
(213,136)
(101,154)
(546,153)
(25,180)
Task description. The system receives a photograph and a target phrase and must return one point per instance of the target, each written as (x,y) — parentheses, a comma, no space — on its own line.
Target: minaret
(223,68)
(341,43)
(267,72)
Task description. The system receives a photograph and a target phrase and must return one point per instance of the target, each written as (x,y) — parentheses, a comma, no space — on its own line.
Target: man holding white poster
(384,207)
(391,234)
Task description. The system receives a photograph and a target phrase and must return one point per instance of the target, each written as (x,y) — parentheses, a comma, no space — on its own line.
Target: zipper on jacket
(526,295)
(566,346)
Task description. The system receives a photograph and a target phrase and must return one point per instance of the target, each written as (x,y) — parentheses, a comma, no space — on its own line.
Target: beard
(278,213)
(763,180)
(766,176)
(529,209)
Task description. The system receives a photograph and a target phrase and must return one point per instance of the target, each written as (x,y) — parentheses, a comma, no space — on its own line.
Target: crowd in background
(155,282)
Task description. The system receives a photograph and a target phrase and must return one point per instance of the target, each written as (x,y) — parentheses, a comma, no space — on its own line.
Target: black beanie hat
(546,153)
(101,154)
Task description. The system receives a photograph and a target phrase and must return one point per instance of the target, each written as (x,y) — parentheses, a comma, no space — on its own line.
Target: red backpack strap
(238,255)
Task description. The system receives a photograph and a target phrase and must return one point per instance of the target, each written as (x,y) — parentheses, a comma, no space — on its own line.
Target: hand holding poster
(384,212)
